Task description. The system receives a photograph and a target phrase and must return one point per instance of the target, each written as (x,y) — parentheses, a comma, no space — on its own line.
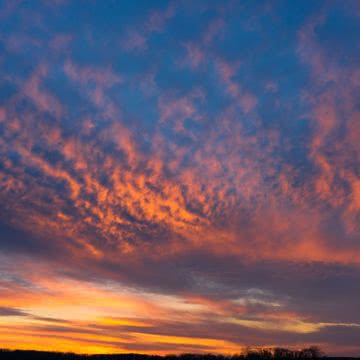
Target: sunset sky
(179,176)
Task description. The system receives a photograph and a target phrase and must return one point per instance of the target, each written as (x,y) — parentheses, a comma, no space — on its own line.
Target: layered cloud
(180,178)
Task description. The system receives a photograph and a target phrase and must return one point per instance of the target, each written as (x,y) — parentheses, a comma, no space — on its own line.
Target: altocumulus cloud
(179,177)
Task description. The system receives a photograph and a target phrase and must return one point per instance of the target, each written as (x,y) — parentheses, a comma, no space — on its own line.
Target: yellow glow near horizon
(90,318)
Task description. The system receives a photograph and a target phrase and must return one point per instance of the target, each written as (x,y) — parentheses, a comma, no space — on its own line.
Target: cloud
(136,39)
(201,207)
(9,311)
(45,101)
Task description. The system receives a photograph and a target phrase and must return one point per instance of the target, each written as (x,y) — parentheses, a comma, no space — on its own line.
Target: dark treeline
(250,354)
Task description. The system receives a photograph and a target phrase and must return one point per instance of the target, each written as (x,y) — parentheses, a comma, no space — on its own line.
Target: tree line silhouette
(312,352)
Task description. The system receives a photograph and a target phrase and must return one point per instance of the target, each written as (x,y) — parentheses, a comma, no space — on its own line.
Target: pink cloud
(227,72)
(214,30)
(157,19)
(136,38)
(134,41)
(194,55)
(41,98)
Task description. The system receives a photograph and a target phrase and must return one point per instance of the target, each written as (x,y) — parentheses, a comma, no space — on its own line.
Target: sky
(179,176)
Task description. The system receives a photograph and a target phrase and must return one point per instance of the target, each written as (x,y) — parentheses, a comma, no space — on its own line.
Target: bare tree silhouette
(312,352)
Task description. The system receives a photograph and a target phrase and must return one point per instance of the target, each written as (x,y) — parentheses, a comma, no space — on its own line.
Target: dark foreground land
(249,355)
